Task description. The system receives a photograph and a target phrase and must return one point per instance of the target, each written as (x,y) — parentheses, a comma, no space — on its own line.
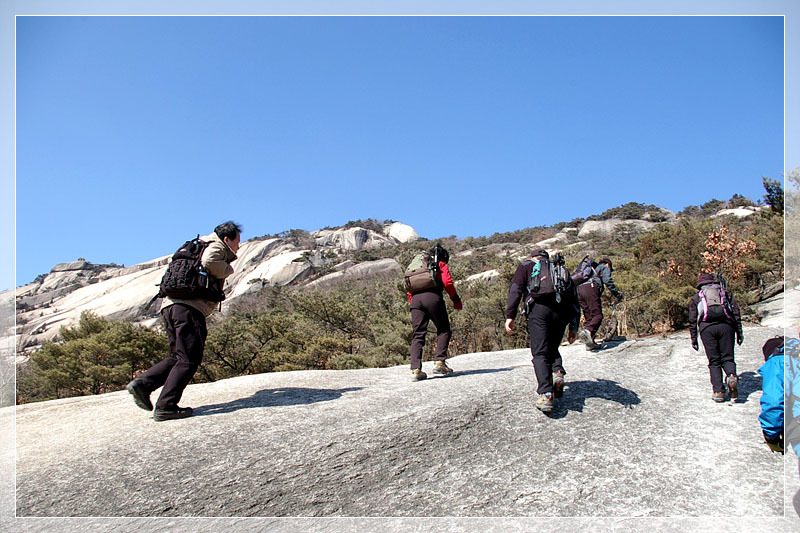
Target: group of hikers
(552,300)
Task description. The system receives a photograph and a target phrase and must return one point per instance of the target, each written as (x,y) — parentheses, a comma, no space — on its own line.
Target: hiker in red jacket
(426,305)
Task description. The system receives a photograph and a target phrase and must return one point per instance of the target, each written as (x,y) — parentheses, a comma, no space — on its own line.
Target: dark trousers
(546,329)
(186,330)
(591,305)
(718,343)
(427,306)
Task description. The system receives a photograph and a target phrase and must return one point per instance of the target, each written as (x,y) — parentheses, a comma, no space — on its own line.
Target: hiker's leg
(419,328)
(190,337)
(710,338)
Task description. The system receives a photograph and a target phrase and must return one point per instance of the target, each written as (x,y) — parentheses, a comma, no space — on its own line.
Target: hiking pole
(612,320)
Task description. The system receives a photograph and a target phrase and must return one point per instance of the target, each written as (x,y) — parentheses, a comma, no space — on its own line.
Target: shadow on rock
(275,398)
(577,392)
(609,344)
(749,382)
(457,373)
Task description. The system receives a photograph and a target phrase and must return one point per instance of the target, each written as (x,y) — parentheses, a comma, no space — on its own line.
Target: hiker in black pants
(427,305)
(185,322)
(548,315)
(714,313)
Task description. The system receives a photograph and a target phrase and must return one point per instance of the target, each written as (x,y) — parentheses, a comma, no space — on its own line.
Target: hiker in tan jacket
(185,322)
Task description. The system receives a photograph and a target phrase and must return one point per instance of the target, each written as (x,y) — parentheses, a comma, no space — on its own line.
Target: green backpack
(422,274)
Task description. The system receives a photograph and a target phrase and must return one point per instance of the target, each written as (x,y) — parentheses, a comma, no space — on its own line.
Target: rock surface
(388,268)
(401,232)
(607,227)
(635,437)
(740,211)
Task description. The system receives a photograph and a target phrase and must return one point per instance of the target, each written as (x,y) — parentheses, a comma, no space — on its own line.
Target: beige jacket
(216,259)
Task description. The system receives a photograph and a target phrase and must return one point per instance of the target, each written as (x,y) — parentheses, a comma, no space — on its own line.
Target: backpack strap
(153,299)
(704,303)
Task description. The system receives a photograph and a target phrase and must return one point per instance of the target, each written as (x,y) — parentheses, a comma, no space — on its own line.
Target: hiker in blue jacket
(775,432)
(792,365)
(771,417)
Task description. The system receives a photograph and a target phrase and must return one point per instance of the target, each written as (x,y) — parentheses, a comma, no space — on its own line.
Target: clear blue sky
(135,133)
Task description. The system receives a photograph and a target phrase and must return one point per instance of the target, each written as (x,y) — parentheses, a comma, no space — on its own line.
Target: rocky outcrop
(401,232)
(613,225)
(351,239)
(58,299)
(548,244)
(386,268)
(740,212)
(489,276)
(75,265)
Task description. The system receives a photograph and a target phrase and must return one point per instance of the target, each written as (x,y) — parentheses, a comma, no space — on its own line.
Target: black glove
(775,443)
(739,336)
(695,347)
(620,297)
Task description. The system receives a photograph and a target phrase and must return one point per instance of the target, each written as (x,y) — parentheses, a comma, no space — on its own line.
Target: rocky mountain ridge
(57,299)
(320,259)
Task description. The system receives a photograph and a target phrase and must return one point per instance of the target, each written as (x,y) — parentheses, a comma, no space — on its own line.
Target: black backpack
(547,278)
(186,279)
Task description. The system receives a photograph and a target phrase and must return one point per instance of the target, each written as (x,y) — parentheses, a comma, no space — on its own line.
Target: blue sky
(135,133)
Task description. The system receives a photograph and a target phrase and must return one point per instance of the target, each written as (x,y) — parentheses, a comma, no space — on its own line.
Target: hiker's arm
(449,286)
(693,320)
(447,281)
(608,281)
(515,292)
(575,321)
(737,317)
(213,260)
(772,401)
(737,314)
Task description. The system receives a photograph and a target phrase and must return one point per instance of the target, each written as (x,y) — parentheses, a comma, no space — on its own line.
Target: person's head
(705,279)
(607,261)
(231,233)
(772,347)
(539,253)
(439,252)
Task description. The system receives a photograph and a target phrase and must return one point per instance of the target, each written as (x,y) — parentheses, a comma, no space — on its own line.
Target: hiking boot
(558,384)
(417,374)
(174,413)
(733,386)
(586,338)
(141,396)
(545,402)
(718,397)
(440,367)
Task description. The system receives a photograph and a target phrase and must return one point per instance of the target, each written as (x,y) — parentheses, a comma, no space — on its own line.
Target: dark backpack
(713,305)
(547,278)
(585,271)
(186,279)
(422,274)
